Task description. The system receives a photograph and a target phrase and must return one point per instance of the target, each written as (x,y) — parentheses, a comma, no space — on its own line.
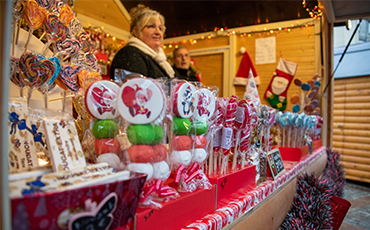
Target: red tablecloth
(227,214)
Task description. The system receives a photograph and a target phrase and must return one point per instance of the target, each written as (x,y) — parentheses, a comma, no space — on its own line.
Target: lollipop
(35,71)
(18,10)
(221,110)
(66,14)
(50,83)
(14,74)
(68,46)
(242,123)
(55,30)
(47,4)
(86,44)
(35,17)
(227,131)
(68,79)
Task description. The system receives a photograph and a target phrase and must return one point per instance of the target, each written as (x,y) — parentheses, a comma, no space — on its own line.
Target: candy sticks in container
(227,130)
(183,103)
(141,102)
(242,121)
(203,112)
(101,103)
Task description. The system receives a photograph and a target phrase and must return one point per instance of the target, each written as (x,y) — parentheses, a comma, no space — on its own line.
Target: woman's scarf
(158,56)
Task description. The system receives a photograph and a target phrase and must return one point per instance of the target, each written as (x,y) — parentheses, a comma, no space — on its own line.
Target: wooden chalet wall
(351,134)
(298,46)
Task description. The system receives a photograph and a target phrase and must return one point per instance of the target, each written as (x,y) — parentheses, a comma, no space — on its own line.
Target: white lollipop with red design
(101,100)
(183,100)
(206,105)
(140,100)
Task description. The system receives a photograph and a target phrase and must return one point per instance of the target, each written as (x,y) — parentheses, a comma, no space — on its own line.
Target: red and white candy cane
(227,131)
(242,119)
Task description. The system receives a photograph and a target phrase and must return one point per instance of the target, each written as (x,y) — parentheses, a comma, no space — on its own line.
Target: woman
(142,53)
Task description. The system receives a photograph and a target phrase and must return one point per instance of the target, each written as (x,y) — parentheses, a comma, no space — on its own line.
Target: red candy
(160,153)
(141,153)
(106,146)
(180,143)
(200,141)
(243,115)
(229,123)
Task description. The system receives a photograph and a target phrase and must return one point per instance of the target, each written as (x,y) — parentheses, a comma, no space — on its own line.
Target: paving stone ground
(358,216)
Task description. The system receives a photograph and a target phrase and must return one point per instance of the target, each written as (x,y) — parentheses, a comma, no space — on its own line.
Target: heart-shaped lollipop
(47,4)
(69,77)
(55,28)
(298,82)
(34,71)
(66,14)
(86,44)
(34,14)
(86,78)
(14,74)
(58,66)
(68,46)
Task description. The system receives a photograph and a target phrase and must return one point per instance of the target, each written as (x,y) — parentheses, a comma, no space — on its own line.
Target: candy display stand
(233,184)
(296,154)
(177,213)
(114,204)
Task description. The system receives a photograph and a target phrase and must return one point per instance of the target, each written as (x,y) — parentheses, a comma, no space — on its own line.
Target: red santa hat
(246,67)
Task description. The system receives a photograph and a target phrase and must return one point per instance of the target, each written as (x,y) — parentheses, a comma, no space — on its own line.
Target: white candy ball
(181,158)
(161,170)
(111,158)
(199,155)
(146,168)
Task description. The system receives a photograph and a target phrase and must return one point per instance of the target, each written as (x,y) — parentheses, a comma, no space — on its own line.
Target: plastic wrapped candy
(200,133)
(183,103)
(142,104)
(101,103)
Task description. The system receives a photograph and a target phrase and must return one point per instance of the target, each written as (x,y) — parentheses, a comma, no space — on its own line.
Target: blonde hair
(140,16)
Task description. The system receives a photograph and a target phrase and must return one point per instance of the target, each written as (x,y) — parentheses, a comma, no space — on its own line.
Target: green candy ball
(105,129)
(199,128)
(141,134)
(181,126)
(158,134)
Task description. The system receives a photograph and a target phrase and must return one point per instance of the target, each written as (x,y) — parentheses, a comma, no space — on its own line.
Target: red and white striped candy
(245,139)
(228,125)
(243,115)
(219,123)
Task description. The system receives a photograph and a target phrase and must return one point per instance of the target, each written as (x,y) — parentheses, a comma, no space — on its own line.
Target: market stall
(130,144)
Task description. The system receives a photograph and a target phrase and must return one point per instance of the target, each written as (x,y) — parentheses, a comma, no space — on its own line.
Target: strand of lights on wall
(314,12)
(225,32)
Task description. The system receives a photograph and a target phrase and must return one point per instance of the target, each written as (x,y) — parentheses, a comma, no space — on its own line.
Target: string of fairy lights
(237,32)
(314,12)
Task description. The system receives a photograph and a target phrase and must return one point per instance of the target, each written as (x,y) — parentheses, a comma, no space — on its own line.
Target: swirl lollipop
(68,46)
(35,71)
(68,79)
(35,17)
(14,74)
(66,14)
(47,4)
(50,83)
(55,30)
(86,44)
(221,110)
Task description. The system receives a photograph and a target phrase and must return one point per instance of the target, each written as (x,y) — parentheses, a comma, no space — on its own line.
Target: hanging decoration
(314,12)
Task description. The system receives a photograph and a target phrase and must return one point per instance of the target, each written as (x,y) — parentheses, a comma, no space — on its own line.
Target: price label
(275,163)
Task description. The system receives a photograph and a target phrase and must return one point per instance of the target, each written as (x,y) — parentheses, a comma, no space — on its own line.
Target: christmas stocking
(276,93)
